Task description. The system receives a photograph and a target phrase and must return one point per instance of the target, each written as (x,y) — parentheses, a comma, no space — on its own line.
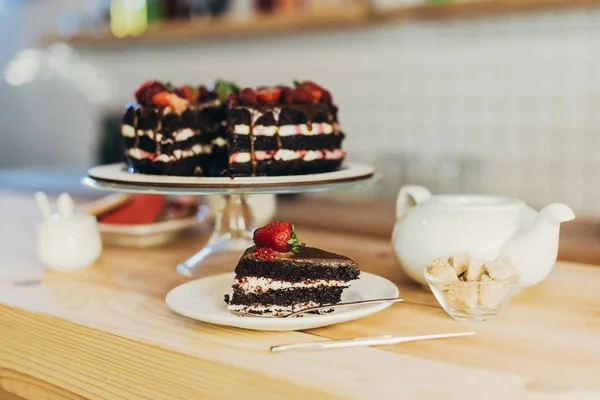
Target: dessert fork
(364,341)
(346,304)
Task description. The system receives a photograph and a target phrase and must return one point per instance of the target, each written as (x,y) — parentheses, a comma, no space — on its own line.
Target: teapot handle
(410,196)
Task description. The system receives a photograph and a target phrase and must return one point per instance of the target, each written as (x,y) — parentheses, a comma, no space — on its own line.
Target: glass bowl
(472,301)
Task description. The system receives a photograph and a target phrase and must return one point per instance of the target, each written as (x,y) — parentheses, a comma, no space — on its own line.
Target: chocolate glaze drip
(291,114)
(278,137)
(156,133)
(135,129)
(252,151)
(253,120)
(309,109)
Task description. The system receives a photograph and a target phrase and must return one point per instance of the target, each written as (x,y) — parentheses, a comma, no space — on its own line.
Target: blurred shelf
(205,29)
(478,8)
(279,24)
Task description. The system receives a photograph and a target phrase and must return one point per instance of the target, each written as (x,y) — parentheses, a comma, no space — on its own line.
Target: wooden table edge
(27,331)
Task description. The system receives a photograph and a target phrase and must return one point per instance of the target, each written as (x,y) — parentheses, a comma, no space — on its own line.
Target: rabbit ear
(44,204)
(65,206)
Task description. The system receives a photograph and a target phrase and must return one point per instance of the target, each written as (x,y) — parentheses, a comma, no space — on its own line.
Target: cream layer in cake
(251,284)
(274,310)
(317,128)
(287,155)
(139,154)
(179,136)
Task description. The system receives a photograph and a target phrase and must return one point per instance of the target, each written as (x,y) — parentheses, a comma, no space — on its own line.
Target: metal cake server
(347,304)
(365,341)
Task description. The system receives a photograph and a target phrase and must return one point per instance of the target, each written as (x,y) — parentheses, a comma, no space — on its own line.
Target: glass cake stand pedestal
(233,227)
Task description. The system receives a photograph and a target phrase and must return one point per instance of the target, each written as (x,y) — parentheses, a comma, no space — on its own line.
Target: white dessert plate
(116,177)
(203,300)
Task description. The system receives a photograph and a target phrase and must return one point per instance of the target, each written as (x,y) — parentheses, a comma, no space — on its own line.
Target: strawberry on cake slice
(280,274)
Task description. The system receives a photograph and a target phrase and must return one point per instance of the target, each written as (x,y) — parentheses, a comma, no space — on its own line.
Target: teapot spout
(557,213)
(534,249)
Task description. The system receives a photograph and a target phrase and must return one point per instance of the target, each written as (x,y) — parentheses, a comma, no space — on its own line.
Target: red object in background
(267,6)
(141,209)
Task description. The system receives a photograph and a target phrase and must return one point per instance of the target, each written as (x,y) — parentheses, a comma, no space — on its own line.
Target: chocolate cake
(177,131)
(280,275)
(194,131)
(284,131)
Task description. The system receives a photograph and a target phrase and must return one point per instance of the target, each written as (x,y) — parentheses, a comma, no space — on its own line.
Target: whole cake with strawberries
(280,274)
(226,130)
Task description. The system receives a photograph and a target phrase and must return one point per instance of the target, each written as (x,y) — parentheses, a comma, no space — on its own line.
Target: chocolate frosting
(309,263)
(312,255)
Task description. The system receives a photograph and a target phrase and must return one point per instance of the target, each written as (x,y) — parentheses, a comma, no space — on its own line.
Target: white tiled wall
(516,96)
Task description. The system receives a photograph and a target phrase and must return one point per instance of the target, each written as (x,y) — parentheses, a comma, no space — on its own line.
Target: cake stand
(233,223)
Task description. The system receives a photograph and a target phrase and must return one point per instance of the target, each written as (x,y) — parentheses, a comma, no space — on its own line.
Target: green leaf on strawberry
(295,244)
(224,89)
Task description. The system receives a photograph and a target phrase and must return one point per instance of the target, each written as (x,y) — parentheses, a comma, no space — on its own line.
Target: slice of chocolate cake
(272,282)
(177,131)
(284,131)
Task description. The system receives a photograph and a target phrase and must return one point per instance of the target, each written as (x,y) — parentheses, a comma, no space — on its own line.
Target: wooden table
(106,333)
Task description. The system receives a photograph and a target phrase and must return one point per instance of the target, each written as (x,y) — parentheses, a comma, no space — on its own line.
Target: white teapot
(428,227)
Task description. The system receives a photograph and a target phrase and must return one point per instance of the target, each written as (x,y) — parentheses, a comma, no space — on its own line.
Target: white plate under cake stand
(233,224)
(203,300)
